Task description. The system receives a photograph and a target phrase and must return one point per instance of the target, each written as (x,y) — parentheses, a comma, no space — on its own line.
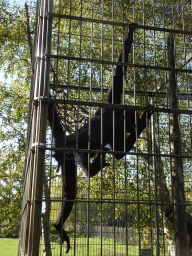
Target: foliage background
(15,68)
(82,40)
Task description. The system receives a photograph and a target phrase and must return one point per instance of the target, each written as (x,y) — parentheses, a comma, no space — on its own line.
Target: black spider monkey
(112,120)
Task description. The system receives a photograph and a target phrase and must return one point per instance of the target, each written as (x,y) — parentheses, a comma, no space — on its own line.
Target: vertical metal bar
(154,159)
(163,222)
(89,137)
(101,190)
(155,187)
(38,130)
(126,190)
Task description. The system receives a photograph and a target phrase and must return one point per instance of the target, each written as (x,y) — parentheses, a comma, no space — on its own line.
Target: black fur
(113,120)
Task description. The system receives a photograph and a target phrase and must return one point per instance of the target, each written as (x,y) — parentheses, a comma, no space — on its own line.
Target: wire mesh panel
(117,177)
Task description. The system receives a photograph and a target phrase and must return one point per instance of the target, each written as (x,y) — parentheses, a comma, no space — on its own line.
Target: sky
(16,1)
(20,2)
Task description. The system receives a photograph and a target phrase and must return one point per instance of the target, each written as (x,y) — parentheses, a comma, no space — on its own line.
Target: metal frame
(38,143)
(35,154)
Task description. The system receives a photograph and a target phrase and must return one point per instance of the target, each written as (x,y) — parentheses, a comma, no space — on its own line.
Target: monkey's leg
(97,164)
(142,122)
(69,191)
(140,125)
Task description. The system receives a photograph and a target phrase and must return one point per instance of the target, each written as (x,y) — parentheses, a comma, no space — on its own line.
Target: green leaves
(14,96)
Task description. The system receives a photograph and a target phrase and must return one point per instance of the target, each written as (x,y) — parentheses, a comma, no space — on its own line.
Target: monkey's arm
(117,86)
(91,169)
(114,96)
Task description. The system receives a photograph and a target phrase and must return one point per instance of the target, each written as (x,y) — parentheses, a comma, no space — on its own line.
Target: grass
(9,246)
(82,245)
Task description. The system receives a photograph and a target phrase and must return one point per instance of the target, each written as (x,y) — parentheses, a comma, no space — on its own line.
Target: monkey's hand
(98,163)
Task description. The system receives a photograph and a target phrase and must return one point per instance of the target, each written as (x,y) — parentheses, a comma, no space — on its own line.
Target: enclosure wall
(116,158)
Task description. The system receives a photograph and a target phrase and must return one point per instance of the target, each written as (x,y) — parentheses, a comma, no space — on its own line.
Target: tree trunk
(179,215)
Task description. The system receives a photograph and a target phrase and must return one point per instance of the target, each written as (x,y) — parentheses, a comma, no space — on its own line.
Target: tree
(132,177)
(14,96)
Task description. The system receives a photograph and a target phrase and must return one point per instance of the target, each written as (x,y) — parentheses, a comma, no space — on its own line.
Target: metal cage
(139,204)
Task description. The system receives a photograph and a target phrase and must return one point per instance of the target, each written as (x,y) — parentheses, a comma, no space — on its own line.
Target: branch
(28,32)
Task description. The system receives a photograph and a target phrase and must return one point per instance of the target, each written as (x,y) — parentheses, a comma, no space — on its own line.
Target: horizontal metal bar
(65,149)
(114,23)
(112,201)
(117,106)
(54,56)
(136,93)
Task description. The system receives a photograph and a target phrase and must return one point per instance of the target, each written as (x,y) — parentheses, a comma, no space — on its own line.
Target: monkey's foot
(63,236)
